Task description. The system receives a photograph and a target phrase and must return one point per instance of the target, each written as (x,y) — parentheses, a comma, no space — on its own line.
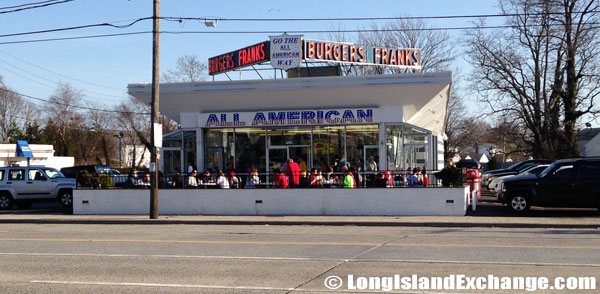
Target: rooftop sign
(329,51)
(287,51)
(247,56)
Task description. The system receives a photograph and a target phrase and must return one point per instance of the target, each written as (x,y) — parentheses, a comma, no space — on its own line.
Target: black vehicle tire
(6,201)
(519,203)
(65,197)
(24,204)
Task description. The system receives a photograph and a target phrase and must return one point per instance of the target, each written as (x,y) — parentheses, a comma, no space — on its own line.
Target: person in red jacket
(280,180)
(293,173)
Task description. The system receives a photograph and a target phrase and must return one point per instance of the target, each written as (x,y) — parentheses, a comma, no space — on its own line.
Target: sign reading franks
(286,51)
(247,56)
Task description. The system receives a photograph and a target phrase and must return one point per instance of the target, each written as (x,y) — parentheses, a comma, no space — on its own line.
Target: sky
(103,67)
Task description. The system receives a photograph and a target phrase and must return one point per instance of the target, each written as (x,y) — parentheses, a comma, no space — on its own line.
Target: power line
(75,38)
(53,82)
(58,74)
(26,4)
(37,6)
(77,28)
(75,106)
(267,32)
(368,18)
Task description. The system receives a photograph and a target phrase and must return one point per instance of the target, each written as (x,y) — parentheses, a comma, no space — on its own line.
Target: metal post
(154,109)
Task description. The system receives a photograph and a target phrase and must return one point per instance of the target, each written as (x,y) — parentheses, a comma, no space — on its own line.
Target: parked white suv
(26,185)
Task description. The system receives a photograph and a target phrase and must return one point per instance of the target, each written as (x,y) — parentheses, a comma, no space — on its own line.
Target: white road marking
(161,285)
(302,259)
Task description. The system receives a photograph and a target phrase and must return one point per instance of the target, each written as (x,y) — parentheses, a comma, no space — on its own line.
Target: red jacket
(293,172)
(281,181)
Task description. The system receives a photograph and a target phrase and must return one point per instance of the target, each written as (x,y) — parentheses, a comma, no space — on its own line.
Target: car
(565,183)
(498,182)
(514,169)
(75,172)
(468,163)
(27,185)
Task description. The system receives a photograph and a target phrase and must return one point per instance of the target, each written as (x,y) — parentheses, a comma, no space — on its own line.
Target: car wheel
(65,197)
(519,203)
(5,201)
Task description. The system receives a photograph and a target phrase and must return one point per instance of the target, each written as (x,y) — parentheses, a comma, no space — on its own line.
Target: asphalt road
(276,259)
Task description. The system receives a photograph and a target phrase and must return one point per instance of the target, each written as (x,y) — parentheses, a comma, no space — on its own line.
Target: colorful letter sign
(250,55)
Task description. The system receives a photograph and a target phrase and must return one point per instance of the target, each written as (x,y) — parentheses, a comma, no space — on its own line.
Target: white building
(396,119)
(43,155)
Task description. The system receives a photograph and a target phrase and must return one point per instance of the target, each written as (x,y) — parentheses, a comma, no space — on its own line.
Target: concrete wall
(374,201)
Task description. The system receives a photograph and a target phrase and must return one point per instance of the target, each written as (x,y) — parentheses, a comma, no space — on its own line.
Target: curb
(298,223)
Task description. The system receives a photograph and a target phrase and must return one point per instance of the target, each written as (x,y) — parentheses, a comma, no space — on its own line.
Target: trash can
(474,181)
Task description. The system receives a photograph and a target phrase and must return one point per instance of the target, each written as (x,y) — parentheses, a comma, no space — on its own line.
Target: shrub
(451,177)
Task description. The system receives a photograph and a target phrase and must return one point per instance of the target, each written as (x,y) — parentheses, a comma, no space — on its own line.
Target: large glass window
(219,149)
(359,139)
(394,147)
(328,145)
(289,136)
(250,149)
(173,139)
(189,148)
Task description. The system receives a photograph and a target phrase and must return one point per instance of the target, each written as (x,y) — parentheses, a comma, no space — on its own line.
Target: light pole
(120,136)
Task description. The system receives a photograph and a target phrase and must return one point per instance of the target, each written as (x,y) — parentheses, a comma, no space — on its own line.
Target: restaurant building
(397,120)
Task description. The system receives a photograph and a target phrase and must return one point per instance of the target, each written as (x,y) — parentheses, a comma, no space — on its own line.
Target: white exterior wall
(43,155)
(375,201)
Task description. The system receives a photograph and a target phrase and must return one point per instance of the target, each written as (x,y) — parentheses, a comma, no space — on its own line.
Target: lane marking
(288,290)
(301,243)
(161,285)
(276,258)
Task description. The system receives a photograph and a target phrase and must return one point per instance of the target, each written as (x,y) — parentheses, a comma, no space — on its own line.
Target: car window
(16,175)
(36,175)
(525,166)
(1,174)
(589,170)
(53,174)
(565,172)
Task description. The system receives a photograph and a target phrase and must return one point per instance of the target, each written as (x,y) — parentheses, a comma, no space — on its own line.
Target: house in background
(589,142)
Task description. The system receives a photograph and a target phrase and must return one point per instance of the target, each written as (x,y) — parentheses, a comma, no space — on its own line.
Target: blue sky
(103,67)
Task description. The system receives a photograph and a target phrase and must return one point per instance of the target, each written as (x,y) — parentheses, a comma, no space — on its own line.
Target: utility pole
(154,109)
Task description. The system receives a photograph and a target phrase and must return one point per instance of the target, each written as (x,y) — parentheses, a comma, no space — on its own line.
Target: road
(276,259)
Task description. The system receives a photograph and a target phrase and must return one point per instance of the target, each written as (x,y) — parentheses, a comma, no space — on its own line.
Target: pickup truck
(26,185)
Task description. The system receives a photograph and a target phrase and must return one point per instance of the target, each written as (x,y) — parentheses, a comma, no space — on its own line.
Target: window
(590,170)
(250,149)
(565,172)
(16,175)
(328,145)
(219,149)
(1,174)
(53,174)
(36,175)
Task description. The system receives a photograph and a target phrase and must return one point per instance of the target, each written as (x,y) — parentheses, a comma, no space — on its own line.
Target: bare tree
(188,69)
(63,111)
(14,111)
(134,118)
(541,73)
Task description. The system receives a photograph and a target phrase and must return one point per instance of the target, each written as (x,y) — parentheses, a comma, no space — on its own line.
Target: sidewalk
(586,222)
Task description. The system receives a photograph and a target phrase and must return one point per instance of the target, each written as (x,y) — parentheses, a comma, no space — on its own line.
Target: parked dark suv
(565,183)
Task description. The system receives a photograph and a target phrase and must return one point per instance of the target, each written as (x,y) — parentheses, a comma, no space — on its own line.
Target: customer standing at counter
(293,172)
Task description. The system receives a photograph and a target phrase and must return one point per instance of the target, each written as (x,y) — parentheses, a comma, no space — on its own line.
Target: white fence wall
(374,201)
